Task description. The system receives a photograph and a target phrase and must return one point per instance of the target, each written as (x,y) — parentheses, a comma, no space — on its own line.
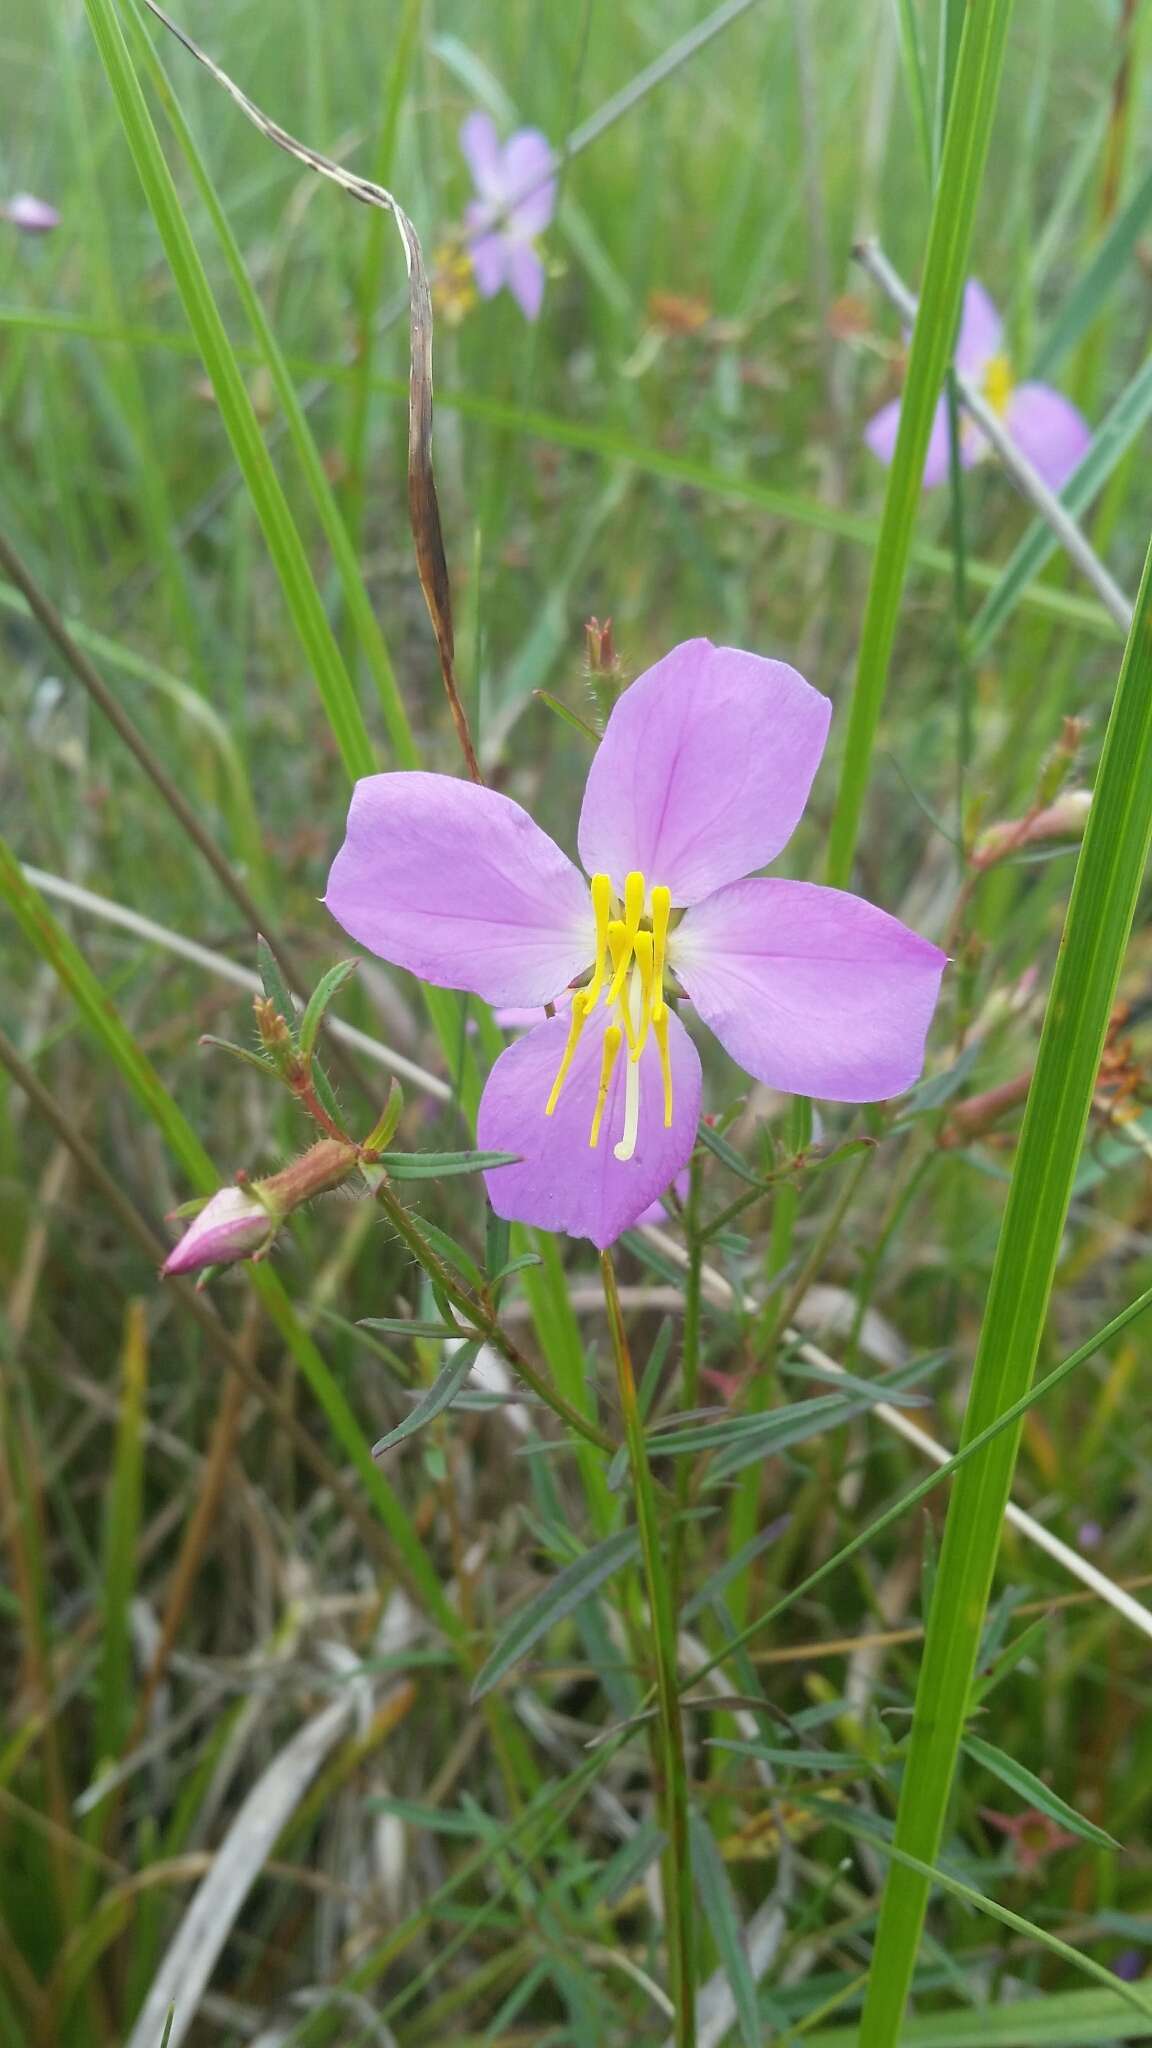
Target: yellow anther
(580,1009)
(998,383)
(613,1039)
(642,946)
(633,901)
(660,1027)
(602,908)
(661,912)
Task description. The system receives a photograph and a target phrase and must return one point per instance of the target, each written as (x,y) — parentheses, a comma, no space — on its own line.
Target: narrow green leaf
(239,1052)
(1034,1792)
(402,1326)
(576,1583)
(1109,873)
(439,1396)
(326,988)
(440,1165)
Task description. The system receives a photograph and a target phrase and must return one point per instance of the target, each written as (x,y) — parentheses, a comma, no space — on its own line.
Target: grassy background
(196,1566)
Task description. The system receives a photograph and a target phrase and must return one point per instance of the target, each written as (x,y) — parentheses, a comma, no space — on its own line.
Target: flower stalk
(673,1789)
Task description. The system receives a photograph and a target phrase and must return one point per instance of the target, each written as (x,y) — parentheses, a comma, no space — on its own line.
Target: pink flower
(516,198)
(1034,1836)
(702,774)
(1045,426)
(25,211)
(233,1225)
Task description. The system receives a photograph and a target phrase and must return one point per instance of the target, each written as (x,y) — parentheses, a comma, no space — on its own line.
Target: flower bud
(241,1222)
(233,1225)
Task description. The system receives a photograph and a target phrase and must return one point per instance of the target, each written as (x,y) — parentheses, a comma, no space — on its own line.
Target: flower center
(998,383)
(628,978)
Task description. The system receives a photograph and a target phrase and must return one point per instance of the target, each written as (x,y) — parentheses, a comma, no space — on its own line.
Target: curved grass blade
(1104,895)
(973,104)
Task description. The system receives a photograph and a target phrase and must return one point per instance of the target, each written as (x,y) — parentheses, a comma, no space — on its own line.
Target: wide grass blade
(1104,896)
(973,103)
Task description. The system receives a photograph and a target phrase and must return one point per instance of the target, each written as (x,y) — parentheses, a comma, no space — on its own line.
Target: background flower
(1045,425)
(516,198)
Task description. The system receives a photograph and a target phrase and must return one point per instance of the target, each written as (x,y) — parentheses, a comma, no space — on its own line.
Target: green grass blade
(356,598)
(946,264)
(1067,2019)
(1104,896)
(236,411)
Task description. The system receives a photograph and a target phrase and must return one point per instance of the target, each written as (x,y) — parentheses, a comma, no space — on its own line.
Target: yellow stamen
(661,912)
(580,1009)
(998,383)
(602,908)
(613,1039)
(643,951)
(660,1027)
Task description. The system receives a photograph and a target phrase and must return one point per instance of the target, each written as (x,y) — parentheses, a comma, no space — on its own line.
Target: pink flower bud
(33,215)
(233,1225)
(241,1222)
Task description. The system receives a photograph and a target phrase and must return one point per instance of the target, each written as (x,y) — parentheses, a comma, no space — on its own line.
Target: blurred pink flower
(701,777)
(1045,426)
(515,200)
(33,215)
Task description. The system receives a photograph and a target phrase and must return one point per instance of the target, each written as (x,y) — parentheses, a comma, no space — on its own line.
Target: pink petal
(810,989)
(981,331)
(489,252)
(528,182)
(560,1182)
(482,153)
(460,886)
(1047,428)
(233,1225)
(525,278)
(703,771)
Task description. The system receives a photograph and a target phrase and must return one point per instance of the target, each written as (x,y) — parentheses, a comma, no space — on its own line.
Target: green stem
(674,1775)
(689,1364)
(481,1320)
